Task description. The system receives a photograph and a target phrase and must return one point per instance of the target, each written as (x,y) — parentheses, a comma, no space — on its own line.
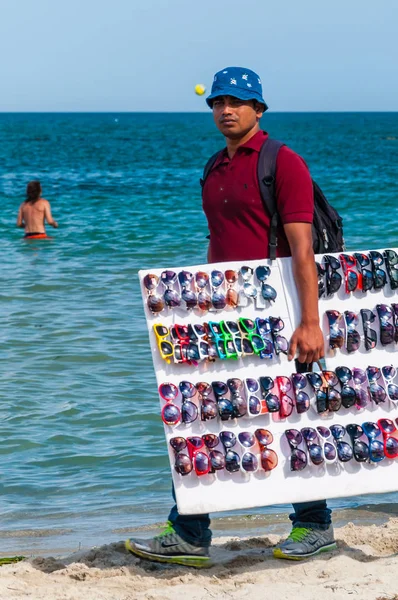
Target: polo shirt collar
(254,143)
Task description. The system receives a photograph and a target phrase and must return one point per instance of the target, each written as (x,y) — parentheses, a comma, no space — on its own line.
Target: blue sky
(125,55)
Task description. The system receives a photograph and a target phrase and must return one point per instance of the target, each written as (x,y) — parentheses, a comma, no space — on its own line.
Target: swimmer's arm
(20,222)
(48,216)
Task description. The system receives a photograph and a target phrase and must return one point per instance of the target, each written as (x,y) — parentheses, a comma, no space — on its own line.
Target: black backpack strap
(266,169)
(208,167)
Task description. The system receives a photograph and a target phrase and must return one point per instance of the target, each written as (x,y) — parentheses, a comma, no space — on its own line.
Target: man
(34,211)
(239,230)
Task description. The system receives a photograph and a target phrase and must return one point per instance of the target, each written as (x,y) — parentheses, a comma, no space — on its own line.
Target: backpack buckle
(268,180)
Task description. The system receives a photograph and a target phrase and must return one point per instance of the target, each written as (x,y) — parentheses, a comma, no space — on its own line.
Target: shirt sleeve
(293,187)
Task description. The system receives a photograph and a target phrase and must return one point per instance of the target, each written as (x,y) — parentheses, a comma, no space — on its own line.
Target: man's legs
(194,529)
(312,531)
(185,541)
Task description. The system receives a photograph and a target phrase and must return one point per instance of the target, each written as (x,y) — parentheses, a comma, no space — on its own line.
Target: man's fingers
(292,348)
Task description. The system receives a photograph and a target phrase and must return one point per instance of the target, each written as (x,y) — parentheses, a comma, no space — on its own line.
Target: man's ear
(259,109)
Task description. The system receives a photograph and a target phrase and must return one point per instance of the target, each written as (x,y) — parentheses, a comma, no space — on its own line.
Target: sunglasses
(208,407)
(280,343)
(360,378)
(336,335)
(232,458)
(389,372)
(327,397)
(217,458)
(232,338)
(200,459)
(272,401)
(376,447)
(368,317)
(387,329)
(232,296)
(390,436)
(171,414)
(218,298)
(284,385)
(185,279)
(225,407)
(165,347)
(155,303)
(218,337)
(328,449)
(267,292)
(268,457)
(353,281)
(348,393)
(360,448)
(377,392)
(391,260)
(353,338)
(249,289)
(248,330)
(171,298)
(344,450)
(189,410)
(263,328)
(255,406)
(314,448)
(321,283)
(183,464)
(395,318)
(201,282)
(379,276)
(298,458)
(235,387)
(302,398)
(333,277)
(363,261)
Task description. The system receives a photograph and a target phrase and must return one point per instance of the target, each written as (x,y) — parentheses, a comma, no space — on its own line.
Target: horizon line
(199,112)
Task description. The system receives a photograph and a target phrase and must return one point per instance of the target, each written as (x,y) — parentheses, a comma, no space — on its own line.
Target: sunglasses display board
(243,429)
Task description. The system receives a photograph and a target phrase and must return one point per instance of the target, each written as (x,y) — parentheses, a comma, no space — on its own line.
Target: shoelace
(167,530)
(297,534)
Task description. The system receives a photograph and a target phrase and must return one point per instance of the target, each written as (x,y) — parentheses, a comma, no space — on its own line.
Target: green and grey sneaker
(169,547)
(304,542)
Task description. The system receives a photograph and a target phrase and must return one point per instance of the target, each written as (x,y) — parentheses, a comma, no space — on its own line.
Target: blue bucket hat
(238,82)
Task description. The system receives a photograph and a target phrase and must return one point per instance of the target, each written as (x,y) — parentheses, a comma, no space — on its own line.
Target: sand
(364,567)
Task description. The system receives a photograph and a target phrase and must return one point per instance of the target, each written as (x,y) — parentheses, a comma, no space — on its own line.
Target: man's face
(234,117)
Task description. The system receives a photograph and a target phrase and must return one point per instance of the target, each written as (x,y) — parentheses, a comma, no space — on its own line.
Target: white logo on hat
(245,76)
(225,72)
(249,85)
(259,80)
(233,82)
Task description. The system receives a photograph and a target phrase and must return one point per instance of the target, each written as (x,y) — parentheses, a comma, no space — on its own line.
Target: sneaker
(304,542)
(169,547)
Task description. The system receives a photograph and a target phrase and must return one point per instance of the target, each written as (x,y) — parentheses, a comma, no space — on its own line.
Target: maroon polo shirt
(238,221)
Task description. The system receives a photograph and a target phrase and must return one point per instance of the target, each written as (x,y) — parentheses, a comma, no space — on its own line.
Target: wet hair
(33,191)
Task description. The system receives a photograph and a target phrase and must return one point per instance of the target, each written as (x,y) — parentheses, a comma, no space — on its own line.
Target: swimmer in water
(34,212)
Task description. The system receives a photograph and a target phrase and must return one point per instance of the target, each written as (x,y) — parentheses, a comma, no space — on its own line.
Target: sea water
(82,450)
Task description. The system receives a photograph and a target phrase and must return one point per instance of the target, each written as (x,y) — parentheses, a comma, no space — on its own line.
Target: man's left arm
(20,221)
(307,339)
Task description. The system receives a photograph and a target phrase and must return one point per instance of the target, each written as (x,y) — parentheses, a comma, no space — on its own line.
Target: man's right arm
(48,216)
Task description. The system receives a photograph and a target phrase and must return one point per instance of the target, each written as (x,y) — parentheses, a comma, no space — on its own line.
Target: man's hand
(308,340)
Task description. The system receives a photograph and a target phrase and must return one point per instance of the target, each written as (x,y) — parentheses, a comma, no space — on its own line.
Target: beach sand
(364,567)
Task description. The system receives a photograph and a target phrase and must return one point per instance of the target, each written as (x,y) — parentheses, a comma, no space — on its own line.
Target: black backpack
(327,227)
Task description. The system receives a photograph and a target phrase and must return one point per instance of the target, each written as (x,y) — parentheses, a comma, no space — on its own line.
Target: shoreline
(60,542)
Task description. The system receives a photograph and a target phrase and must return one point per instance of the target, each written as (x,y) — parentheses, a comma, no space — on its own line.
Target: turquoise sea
(81,444)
